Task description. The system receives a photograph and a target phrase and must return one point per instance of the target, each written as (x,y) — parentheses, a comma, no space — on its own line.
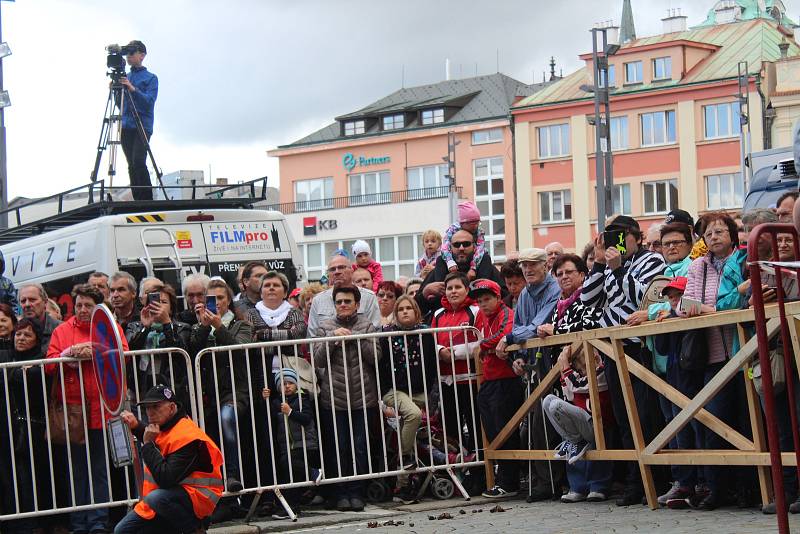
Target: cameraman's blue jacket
(146,84)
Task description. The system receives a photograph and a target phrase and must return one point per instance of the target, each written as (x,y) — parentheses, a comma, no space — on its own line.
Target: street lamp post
(4,102)
(604,181)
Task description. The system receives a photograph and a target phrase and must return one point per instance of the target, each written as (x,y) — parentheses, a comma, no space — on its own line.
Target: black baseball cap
(158,393)
(679,216)
(139,46)
(622,222)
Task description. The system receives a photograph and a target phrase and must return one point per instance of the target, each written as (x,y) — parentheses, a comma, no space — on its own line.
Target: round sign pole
(108,358)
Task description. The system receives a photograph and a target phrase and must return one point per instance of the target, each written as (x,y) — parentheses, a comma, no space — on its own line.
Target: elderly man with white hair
(553,250)
(194,288)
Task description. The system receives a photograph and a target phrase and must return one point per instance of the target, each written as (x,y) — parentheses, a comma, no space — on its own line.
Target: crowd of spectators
(263,405)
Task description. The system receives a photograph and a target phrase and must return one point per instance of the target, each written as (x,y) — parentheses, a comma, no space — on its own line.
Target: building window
(482,137)
(555,206)
(427,182)
(633,72)
(397,255)
(489,197)
(394,122)
(621,195)
(724,191)
(612,80)
(354,127)
(662,68)
(433,116)
(660,197)
(619,134)
(721,120)
(553,141)
(369,188)
(313,194)
(658,128)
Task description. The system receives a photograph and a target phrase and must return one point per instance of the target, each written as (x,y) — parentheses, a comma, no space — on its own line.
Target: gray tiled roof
(480,98)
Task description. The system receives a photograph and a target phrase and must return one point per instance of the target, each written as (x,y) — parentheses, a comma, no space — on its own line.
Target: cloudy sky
(239,77)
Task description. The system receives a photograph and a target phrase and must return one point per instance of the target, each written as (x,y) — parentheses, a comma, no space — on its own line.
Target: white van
(166,244)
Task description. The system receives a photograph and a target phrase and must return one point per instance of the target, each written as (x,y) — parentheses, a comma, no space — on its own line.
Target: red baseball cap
(679,283)
(295,292)
(481,285)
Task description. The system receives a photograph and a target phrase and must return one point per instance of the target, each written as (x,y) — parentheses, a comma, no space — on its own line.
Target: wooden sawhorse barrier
(609,341)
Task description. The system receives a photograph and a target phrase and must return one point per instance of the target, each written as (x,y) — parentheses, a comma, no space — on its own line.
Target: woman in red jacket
(457,376)
(73,339)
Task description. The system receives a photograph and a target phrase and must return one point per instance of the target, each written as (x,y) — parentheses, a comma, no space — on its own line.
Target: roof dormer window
(354,127)
(662,68)
(394,122)
(433,116)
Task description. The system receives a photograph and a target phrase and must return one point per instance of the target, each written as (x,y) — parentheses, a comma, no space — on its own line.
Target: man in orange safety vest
(182,469)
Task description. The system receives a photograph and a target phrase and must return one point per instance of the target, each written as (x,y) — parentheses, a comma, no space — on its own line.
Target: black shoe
(344,505)
(234,486)
(630,497)
(406,495)
(283,514)
(356,504)
(709,503)
(539,495)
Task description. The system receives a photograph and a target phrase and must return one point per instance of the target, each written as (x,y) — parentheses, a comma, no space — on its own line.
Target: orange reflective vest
(204,488)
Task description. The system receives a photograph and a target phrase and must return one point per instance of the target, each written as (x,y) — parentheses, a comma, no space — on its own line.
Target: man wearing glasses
(462,246)
(340,273)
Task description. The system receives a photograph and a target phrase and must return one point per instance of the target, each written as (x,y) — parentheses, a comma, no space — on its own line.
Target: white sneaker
(573,496)
(596,496)
(670,494)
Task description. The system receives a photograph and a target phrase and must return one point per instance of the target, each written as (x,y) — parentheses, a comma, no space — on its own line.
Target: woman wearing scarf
(158,329)
(79,385)
(569,315)
(229,388)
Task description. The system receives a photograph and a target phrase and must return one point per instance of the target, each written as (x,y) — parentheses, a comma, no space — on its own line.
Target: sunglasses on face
(342,302)
(461,244)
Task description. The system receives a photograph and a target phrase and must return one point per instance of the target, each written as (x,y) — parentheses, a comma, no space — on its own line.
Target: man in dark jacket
(33,300)
(183,476)
(462,245)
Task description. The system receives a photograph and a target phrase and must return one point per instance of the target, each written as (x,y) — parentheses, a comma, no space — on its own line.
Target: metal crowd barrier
(42,472)
(270,461)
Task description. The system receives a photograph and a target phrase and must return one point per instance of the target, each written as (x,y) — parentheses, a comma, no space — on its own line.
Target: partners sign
(350,162)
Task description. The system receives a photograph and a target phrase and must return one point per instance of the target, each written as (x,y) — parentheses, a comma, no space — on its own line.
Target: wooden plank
(679,399)
(606,455)
(715,457)
(513,424)
(709,390)
(757,426)
(594,397)
(701,321)
(635,422)
(561,339)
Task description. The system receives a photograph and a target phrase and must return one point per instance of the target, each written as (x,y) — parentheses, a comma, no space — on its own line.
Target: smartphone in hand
(615,239)
(689,306)
(154,298)
(211,303)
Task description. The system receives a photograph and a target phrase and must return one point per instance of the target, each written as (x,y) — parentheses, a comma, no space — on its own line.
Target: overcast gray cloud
(242,76)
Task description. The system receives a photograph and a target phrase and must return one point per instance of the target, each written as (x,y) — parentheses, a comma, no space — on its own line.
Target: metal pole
(452,196)
(608,184)
(598,153)
(3,168)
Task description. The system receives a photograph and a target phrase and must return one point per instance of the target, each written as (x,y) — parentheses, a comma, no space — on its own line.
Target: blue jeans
(227,416)
(345,451)
(722,405)
(90,519)
(691,435)
(586,476)
(173,510)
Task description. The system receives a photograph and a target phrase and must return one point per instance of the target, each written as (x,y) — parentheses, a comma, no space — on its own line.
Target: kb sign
(311,225)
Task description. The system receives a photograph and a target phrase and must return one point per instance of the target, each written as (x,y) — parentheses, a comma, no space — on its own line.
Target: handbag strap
(705,276)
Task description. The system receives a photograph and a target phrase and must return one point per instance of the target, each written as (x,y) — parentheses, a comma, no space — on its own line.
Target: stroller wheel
(377,491)
(442,488)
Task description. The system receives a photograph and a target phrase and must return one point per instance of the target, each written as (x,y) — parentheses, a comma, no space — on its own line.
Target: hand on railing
(637,318)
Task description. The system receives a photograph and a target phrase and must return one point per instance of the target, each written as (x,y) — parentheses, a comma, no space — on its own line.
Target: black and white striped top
(618,293)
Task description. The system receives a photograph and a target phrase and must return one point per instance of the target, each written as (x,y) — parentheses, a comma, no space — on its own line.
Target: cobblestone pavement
(522,517)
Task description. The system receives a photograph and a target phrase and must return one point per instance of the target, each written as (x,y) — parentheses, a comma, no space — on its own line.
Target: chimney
(222,181)
(675,21)
(784,48)
(447,69)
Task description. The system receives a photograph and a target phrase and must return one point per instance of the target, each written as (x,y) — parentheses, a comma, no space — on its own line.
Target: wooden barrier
(609,341)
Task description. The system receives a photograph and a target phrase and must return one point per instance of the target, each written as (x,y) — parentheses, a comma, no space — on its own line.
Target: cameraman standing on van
(142,86)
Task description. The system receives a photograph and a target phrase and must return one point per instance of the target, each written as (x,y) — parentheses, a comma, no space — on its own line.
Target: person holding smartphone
(225,379)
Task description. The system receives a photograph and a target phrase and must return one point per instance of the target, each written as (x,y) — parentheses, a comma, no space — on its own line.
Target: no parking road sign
(108,359)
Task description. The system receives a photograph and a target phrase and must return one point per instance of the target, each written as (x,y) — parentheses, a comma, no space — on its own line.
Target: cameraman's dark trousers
(136,153)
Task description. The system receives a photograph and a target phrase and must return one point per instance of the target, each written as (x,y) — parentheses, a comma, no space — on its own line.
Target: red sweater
(375,270)
(461,343)
(69,333)
(494,328)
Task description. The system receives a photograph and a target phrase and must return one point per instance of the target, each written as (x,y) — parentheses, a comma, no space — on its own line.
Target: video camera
(116,60)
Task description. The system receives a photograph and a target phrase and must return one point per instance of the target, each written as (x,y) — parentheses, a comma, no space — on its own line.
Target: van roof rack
(94,200)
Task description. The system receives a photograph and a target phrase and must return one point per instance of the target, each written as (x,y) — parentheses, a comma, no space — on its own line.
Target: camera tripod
(119,97)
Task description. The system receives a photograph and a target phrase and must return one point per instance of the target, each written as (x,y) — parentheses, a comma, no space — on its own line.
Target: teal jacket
(678,268)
